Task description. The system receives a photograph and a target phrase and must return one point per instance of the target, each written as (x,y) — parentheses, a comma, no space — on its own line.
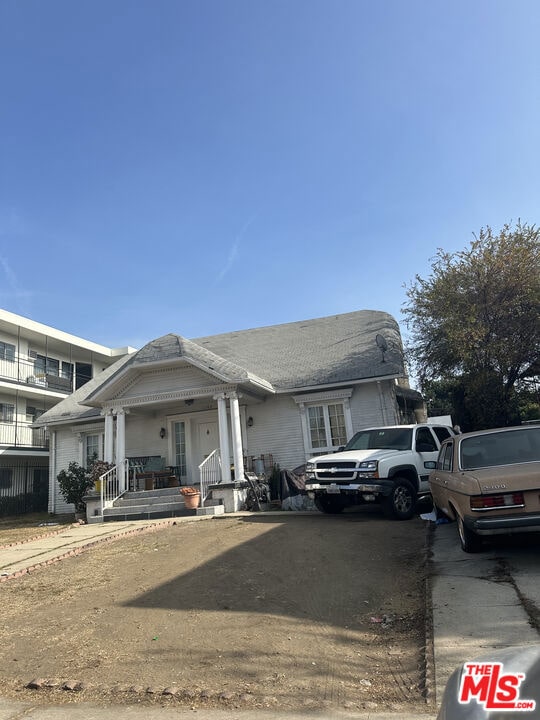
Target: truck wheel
(470,542)
(401,502)
(329,505)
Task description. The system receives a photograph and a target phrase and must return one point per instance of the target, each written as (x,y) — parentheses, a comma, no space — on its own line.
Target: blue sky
(202,166)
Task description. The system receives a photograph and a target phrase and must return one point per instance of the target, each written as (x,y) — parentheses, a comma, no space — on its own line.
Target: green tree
(475,323)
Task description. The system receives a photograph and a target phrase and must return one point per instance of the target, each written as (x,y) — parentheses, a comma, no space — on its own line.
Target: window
(326,427)
(67,370)
(93,448)
(442,433)
(7,412)
(7,352)
(425,442)
(32,413)
(5,478)
(180,455)
(47,365)
(444,461)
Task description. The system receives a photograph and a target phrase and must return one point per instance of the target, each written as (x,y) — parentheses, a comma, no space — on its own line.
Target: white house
(212,407)
(39,367)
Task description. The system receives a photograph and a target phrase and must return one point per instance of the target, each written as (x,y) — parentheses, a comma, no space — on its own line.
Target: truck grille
(344,470)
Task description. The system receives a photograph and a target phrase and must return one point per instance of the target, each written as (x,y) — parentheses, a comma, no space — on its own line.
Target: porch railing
(113,484)
(209,473)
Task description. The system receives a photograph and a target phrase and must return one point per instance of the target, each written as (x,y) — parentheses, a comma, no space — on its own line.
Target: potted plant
(192,497)
(74,484)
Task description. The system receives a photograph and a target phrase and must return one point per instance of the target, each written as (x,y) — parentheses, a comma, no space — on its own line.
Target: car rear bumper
(504,523)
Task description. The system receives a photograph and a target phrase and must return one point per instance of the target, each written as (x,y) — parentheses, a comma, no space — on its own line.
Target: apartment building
(39,367)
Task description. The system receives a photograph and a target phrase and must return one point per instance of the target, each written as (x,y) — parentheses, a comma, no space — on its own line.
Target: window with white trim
(326,425)
(326,420)
(93,448)
(7,351)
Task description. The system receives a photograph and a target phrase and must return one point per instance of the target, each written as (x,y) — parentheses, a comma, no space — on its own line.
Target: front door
(208,437)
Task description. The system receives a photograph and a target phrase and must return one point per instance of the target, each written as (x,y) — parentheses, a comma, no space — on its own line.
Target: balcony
(22,436)
(24,370)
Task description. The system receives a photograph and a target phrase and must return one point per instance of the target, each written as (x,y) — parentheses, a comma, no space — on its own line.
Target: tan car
(489,483)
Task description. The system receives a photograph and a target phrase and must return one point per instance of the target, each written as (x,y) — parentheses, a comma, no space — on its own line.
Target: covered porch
(158,449)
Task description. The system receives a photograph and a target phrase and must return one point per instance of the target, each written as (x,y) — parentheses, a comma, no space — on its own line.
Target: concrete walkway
(16,560)
(474,609)
(472,613)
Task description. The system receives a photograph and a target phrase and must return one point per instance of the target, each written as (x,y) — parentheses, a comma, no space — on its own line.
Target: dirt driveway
(284,611)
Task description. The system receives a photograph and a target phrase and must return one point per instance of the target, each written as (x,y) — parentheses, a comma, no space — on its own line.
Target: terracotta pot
(192,501)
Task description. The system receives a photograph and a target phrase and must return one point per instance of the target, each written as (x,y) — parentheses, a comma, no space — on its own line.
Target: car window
(444,461)
(502,448)
(381,439)
(424,437)
(442,433)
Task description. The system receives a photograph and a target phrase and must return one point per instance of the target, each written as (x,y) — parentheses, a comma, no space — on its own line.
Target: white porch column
(108,454)
(224,439)
(348,421)
(305,431)
(236,438)
(121,445)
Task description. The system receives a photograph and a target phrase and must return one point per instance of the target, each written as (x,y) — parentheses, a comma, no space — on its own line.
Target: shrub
(74,484)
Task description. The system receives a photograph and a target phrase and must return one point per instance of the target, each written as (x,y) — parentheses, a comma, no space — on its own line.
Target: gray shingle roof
(324,351)
(328,350)
(172,347)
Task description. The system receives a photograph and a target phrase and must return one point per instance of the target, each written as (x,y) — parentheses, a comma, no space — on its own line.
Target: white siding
(373,404)
(142,435)
(277,430)
(185,378)
(65,448)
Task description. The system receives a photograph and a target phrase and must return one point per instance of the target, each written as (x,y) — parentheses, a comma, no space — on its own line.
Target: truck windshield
(381,439)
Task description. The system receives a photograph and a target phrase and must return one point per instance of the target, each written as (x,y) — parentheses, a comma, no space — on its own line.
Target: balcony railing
(23,370)
(14,435)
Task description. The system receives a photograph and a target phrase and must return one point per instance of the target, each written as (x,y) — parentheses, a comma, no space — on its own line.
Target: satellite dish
(382,345)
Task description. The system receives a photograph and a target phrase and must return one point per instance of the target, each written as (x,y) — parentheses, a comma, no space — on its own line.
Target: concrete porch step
(149,500)
(163,492)
(142,513)
(147,504)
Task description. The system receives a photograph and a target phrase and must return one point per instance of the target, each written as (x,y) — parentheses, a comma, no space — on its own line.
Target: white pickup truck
(389,465)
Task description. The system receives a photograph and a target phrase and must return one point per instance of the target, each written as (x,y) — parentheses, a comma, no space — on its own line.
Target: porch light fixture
(162,433)
(250,422)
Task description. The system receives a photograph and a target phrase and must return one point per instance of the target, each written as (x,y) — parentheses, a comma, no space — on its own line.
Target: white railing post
(209,473)
(113,484)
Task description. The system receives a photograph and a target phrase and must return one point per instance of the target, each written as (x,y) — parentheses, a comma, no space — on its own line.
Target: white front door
(208,437)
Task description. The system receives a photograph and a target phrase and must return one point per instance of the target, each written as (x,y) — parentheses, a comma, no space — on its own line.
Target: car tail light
(492,502)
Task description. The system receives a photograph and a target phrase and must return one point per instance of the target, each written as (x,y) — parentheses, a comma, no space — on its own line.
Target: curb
(429,651)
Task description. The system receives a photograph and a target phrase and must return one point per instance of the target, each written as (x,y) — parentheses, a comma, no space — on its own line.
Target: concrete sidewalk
(474,610)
